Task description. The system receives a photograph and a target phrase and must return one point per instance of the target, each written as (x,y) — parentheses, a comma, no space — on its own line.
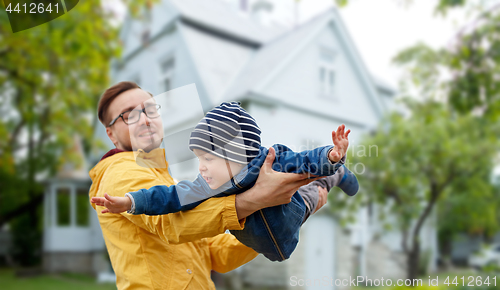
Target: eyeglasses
(133,116)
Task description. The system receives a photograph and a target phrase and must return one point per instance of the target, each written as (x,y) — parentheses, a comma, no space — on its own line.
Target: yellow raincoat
(174,251)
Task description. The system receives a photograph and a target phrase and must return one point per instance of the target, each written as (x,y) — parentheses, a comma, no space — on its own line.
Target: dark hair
(109,95)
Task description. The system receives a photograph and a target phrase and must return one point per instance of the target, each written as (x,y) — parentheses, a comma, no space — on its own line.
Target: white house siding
(217,60)
(220,16)
(263,273)
(295,264)
(146,64)
(298,83)
(320,252)
(383,262)
(347,261)
(271,57)
(144,68)
(154,21)
(71,248)
(295,128)
(313,259)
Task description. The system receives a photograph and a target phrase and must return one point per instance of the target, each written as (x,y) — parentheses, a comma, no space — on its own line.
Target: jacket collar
(154,159)
(111,153)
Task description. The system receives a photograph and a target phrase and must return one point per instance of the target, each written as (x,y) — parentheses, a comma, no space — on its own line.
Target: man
(174,251)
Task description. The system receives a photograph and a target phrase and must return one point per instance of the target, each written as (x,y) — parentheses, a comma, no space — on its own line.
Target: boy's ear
(111,136)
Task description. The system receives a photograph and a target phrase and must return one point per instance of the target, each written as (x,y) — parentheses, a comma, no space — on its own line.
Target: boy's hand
(113,204)
(341,143)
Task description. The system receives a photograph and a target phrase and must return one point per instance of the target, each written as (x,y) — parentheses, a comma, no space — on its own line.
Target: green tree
(430,156)
(465,75)
(51,77)
(462,79)
(442,6)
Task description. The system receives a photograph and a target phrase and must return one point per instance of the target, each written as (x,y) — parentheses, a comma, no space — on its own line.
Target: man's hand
(113,204)
(272,188)
(341,143)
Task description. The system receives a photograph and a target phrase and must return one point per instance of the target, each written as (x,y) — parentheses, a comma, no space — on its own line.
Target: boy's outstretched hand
(341,143)
(113,204)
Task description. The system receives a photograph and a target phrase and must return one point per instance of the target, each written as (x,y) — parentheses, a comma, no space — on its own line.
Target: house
(299,83)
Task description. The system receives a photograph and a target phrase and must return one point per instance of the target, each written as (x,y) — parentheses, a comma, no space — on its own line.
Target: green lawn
(8,281)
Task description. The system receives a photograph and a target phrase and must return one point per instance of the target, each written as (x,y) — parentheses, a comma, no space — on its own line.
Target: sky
(382,28)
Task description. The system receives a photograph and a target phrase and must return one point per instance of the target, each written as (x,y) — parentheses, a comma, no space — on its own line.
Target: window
(327,77)
(145,37)
(166,80)
(146,26)
(63,206)
(82,207)
(167,71)
(72,204)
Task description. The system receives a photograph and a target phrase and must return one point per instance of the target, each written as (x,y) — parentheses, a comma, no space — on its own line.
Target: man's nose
(143,119)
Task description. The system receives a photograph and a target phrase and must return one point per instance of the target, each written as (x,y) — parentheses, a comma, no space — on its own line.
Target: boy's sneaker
(349,183)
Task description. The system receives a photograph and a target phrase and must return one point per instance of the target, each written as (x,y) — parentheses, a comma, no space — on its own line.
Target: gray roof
(221,17)
(384,85)
(233,53)
(217,60)
(272,54)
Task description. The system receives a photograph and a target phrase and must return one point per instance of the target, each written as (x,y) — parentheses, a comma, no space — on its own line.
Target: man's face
(215,170)
(146,134)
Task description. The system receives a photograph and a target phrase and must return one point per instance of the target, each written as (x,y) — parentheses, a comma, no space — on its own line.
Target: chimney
(262,11)
(244,5)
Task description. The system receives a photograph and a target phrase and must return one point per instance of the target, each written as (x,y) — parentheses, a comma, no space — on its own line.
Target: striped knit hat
(229,132)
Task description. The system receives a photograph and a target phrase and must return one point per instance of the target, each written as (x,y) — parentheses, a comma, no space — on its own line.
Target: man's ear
(111,136)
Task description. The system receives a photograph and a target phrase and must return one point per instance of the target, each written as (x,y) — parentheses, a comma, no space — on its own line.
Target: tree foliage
(432,156)
(51,77)
(442,151)
(466,74)
(442,6)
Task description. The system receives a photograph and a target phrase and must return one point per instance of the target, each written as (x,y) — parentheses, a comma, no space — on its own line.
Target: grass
(8,281)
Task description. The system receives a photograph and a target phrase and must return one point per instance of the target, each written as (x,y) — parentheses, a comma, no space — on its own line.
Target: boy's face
(215,170)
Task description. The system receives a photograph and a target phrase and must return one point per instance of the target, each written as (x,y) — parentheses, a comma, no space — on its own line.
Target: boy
(227,144)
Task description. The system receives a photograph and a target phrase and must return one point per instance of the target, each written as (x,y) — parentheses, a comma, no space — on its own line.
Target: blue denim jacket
(273,231)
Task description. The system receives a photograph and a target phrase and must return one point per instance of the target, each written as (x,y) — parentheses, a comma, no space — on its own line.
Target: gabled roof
(234,55)
(274,54)
(221,17)
(217,60)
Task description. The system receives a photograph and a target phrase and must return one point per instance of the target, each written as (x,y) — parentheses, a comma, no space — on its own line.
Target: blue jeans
(274,231)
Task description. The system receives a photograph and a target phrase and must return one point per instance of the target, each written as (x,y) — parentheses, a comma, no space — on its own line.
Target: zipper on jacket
(233,181)
(272,236)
